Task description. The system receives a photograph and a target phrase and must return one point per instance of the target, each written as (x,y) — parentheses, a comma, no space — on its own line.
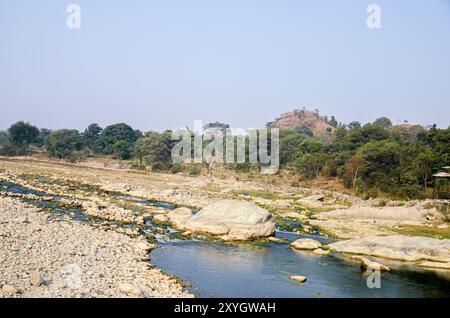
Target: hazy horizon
(159,65)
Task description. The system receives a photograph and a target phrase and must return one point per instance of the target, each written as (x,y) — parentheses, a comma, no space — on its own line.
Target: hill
(305,120)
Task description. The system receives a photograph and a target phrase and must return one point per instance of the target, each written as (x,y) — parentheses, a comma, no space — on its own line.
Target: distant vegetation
(372,159)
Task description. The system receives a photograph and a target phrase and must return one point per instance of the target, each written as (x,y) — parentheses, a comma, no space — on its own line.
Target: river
(256,270)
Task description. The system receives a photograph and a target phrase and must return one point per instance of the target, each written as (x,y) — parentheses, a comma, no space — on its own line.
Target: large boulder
(397,247)
(228,219)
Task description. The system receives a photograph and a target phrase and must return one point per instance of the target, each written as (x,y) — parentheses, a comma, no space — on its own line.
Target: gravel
(40,257)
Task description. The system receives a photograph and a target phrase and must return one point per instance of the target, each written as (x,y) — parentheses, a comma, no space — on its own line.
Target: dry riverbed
(41,257)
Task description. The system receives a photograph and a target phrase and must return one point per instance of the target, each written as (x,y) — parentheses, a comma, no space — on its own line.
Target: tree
(43,134)
(114,133)
(62,143)
(290,144)
(22,134)
(354,124)
(383,122)
(3,137)
(424,164)
(156,149)
(217,125)
(90,136)
(122,150)
(353,169)
(382,160)
(333,122)
(312,164)
(305,130)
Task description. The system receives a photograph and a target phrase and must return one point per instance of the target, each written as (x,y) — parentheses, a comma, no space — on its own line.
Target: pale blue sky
(162,64)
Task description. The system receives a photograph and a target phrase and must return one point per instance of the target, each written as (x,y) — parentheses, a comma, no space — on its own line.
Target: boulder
(306,244)
(228,219)
(300,279)
(397,247)
(321,252)
(160,218)
(370,265)
(178,217)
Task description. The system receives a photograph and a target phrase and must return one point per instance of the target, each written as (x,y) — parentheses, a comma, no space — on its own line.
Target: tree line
(372,159)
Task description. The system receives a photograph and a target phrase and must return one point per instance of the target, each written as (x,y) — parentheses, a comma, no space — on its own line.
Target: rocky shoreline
(43,257)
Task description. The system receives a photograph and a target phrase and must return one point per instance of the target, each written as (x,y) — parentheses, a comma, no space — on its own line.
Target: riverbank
(350,217)
(44,257)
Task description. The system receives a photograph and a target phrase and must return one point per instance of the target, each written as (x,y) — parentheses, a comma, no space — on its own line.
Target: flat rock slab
(397,247)
(404,215)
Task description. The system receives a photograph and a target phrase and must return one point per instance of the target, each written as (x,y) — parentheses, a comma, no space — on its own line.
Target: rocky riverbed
(117,195)
(44,257)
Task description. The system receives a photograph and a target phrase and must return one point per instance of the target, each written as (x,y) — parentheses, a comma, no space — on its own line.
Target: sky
(163,64)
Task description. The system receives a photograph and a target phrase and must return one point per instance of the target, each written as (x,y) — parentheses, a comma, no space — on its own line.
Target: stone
(370,265)
(443,226)
(402,215)
(300,279)
(397,247)
(277,240)
(321,252)
(306,244)
(9,290)
(437,265)
(179,216)
(131,290)
(160,218)
(229,219)
(37,279)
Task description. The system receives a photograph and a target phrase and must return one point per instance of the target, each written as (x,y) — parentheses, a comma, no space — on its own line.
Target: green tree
(43,134)
(22,134)
(305,130)
(114,133)
(122,150)
(333,122)
(353,170)
(383,122)
(382,158)
(354,124)
(155,149)
(312,164)
(3,138)
(290,145)
(91,135)
(424,164)
(63,143)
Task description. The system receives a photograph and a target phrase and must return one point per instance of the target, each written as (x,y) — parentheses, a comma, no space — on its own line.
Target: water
(217,269)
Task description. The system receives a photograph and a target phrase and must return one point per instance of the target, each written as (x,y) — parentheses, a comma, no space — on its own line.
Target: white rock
(229,219)
(160,218)
(321,252)
(306,244)
(300,279)
(397,247)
